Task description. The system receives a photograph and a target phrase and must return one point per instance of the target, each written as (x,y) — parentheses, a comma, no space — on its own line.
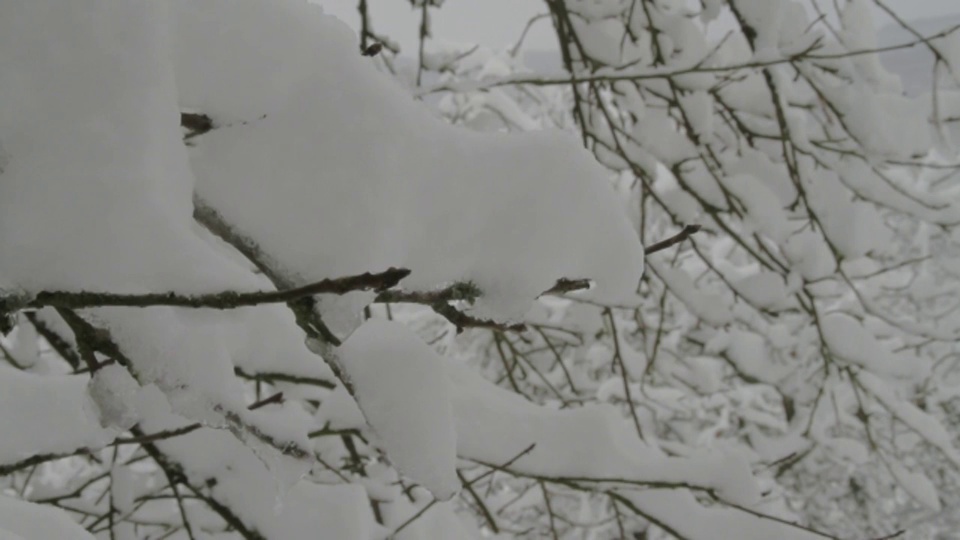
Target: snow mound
(333,170)
(400,386)
(54,415)
(23,520)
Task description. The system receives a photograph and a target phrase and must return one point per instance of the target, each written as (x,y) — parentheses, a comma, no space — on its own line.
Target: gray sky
(498,23)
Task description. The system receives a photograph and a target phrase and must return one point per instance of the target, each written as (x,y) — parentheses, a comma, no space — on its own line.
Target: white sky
(498,23)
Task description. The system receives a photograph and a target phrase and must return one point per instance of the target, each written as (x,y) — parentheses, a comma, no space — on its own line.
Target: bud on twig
(372,50)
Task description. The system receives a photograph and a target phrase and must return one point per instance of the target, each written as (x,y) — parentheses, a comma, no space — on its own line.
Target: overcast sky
(499,23)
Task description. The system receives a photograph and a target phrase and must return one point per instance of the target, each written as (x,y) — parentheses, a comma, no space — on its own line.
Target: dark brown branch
(687,232)
(461,320)
(275,398)
(196,124)
(487,515)
(372,50)
(468,292)
(89,341)
(158,436)
(222,300)
(565,285)
(272,377)
(57,342)
(31,461)
(463,291)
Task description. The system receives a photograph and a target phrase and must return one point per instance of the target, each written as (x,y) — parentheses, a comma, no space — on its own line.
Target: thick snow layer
(266,339)
(96,191)
(400,386)
(334,170)
(22,520)
(97,195)
(495,426)
(115,392)
(46,415)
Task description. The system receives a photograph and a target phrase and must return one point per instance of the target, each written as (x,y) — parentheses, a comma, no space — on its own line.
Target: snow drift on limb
(333,170)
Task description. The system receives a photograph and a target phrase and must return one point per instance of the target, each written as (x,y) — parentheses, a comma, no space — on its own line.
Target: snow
(115,391)
(750,355)
(96,156)
(766,18)
(416,207)
(707,306)
(763,207)
(590,443)
(22,520)
(54,415)
(243,482)
(912,416)
(675,508)
(265,339)
(331,168)
(849,341)
(765,290)
(859,33)
(810,255)
(448,204)
(122,488)
(441,521)
(108,161)
(400,387)
(917,485)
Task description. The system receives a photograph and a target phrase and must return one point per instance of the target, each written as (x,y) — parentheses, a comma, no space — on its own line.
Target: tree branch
(221,300)
(687,232)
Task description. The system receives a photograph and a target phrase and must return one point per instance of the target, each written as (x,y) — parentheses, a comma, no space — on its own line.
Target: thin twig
(687,232)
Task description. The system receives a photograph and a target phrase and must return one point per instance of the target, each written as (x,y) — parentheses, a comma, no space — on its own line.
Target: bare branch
(687,232)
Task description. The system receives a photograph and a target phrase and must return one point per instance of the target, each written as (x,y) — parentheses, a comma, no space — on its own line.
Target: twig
(276,398)
(272,377)
(158,436)
(413,517)
(687,232)
(461,320)
(480,504)
(196,123)
(468,292)
(565,285)
(56,341)
(463,291)
(36,460)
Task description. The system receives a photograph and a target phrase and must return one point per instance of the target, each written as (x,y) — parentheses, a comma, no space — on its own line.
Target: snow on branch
(222,300)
